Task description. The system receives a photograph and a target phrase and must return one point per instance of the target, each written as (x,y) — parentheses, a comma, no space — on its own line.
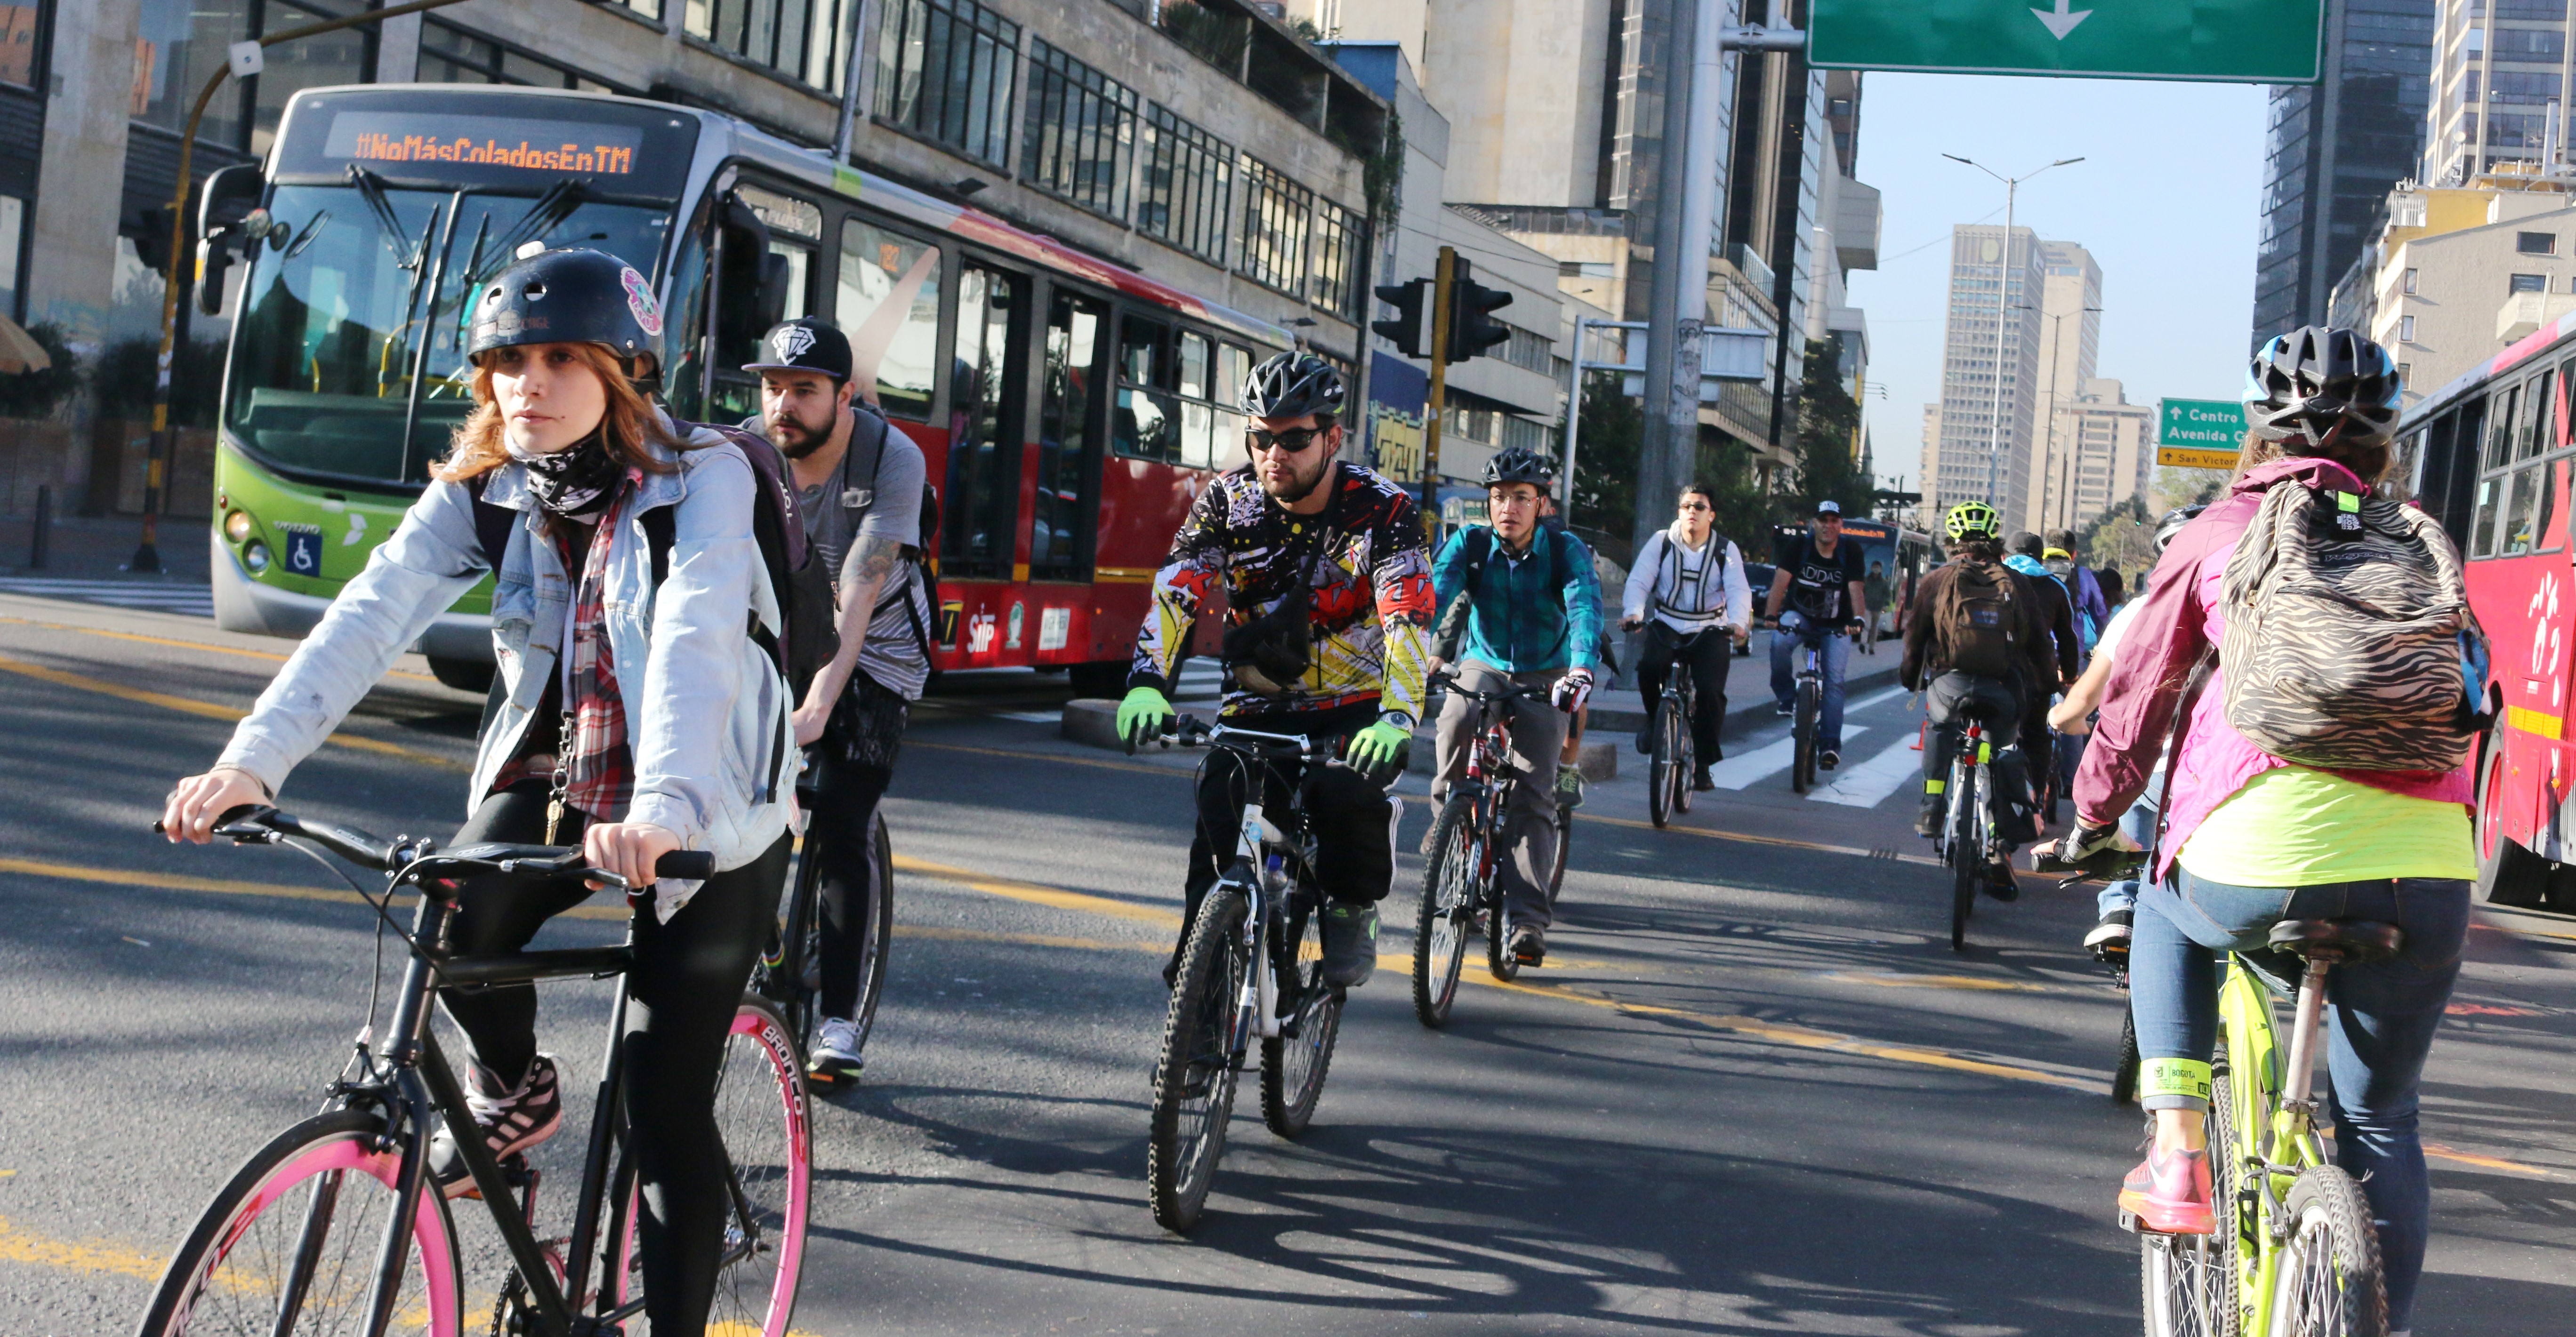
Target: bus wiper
(371,188)
(547,211)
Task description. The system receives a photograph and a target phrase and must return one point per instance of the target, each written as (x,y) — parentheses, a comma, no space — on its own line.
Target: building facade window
(1277,213)
(2405,329)
(2528,282)
(1188,189)
(1082,131)
(1340,245)
(2408,283)
(946,71)
(181,43)
(451,55)
(2536,243)
(797,38)
(1527,351)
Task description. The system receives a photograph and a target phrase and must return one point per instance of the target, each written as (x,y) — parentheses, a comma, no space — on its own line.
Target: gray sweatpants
(1529,825)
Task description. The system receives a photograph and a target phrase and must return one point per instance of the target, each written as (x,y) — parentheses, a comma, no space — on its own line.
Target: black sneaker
(1529,945)
(2000,882)
(512,1122)
(1646,740)
(1785,709)
(1828,759)
(1701,781)
(1350,944)
(1928,818)
(2112,934)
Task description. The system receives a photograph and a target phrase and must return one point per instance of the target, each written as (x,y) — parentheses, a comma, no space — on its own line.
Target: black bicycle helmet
(2314,383)
(572,296)
(2172,524)
(1520,464)
(1292,385)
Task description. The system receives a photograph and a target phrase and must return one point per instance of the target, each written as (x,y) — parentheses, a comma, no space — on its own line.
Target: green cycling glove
(1144,715)
(1377,752)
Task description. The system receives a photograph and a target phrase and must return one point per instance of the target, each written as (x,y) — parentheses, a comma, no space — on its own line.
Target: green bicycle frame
(2275,1128)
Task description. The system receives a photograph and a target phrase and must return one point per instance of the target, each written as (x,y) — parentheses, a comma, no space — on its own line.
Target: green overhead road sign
(2199,433)
(2234,41)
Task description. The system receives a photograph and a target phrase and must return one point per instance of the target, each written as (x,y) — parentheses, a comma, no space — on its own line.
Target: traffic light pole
(1443,277)
(244,56)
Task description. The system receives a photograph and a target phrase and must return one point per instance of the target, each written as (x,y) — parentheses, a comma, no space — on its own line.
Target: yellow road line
(1035,894)
(16,1246)
(1025,755)
(1894,980)
(212,711)
(2443,1153)
(242,651)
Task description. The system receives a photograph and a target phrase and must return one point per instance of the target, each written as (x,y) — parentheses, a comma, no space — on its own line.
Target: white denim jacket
(707,721)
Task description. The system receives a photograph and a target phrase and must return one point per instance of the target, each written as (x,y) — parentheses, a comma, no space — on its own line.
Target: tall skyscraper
(2335,147)
(2492,86)
(1983,449)
(2070,337)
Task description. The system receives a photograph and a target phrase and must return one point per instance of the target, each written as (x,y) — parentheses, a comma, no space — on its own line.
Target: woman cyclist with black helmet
(2251,839)
(634,715)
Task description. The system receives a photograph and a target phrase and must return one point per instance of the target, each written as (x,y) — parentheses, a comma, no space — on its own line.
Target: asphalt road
(1753,1091)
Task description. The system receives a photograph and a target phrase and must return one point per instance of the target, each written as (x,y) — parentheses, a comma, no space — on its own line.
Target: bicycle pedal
(2129,1223)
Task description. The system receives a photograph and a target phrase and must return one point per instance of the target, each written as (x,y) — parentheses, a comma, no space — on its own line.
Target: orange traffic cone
(1919,731)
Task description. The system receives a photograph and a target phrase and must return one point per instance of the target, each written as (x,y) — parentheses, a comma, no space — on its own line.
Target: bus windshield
(335,309)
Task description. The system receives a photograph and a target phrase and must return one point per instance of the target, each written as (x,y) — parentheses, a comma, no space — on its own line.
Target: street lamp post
(2048,464)
(246,61)
(2003,304)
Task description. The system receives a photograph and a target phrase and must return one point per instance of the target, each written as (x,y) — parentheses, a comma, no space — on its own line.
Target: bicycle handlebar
(1191,731)
(254,824)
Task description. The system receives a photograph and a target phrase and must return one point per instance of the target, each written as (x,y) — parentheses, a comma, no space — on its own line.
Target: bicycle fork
(1256,1006)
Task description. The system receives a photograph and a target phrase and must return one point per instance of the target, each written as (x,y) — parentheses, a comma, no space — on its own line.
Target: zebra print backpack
(2346,620)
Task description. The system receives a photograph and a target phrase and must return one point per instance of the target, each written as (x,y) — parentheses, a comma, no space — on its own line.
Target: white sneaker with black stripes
(512,1122)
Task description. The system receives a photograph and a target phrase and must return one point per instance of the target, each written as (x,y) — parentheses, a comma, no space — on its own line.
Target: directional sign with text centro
(2199,433)
(2236,41)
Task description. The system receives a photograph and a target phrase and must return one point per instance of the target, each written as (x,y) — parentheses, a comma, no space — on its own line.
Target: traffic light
(1408,330)
(1471,329)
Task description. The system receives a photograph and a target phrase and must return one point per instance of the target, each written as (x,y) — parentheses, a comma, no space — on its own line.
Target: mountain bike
(2295,1254)
(334,1227)
(1966,843)
(1253,968)
(1807,712)
(790,974)
(1675,758)
(1466,846)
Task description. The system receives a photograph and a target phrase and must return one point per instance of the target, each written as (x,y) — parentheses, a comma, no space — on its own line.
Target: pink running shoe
(2170,1195)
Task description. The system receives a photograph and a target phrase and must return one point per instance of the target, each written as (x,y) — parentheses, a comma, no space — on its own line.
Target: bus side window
(886,298)
(2545,537)
(2482,529)
(2536,415)
(2499,445)
(2515,539)
(1146,424)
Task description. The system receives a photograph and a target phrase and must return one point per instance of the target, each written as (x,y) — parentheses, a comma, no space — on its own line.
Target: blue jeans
(1836,653)
(2379,1024)
(2139,825)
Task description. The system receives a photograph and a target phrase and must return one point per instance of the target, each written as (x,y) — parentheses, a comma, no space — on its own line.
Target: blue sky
(2167,200)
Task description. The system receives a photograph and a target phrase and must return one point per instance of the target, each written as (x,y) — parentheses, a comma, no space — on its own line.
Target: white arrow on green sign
(2199,433)
(2236,41)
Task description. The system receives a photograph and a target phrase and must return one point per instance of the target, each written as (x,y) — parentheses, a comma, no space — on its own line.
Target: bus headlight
(237,526)
(255,556)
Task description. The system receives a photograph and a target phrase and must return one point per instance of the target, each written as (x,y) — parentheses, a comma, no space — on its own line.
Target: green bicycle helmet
(1973,520)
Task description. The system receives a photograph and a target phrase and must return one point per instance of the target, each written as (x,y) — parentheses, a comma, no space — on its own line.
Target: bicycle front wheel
(763,1114)
(1293,1062)
(1802,758)
(2124,1076)
(291,1244)
(1665,782)
(878,926)
(1194,1079)
(1447,913)
(2330,1282)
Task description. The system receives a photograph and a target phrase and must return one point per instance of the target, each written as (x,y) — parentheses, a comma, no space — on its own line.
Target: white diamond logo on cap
(790,342)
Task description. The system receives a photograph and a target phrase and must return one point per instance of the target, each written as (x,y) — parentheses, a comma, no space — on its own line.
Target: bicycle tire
(766,1119)
(1446,912)
(1665,766)
(1966,853)
(2331,1284)
(1564,843)
(223,1280)
(1293,1067)
(880,921)
(2181,1288)
(2235,1217)
(1499,961)
(1194,1075)
(1802,732)
(1685,752)
(2124,1074)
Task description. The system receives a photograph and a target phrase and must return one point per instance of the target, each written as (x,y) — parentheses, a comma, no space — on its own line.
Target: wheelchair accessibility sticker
(303,549)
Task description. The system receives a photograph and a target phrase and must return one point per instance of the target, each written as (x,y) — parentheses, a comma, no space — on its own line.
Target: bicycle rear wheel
(1295,1061)
(1564,842)
(2330,1278)
(1446,915)
(2227,1154)
(1665,782)
(1194,1078)
(291,1243)
(2124,1075)
(1966,852)
(2182,1287)
(1802,728)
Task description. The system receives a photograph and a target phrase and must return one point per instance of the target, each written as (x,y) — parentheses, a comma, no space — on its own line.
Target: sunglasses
(1697,506)
(1289,442)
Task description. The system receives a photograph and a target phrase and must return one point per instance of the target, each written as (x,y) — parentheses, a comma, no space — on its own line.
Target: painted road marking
(242,651)
(210,710)
(188,600)
(1871,782)
(1744,768)
(1873,699)
(1894,979)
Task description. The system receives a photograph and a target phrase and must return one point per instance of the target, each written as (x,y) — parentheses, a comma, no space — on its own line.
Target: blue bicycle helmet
(2315,384)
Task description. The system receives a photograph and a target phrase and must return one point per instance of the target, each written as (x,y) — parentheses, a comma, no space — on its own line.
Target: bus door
(979,538)
(1063,537)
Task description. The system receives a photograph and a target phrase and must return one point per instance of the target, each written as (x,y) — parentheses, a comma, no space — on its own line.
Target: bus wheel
(465,675)
(2508,874)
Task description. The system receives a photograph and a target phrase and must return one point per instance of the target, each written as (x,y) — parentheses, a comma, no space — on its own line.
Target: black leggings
(838,836)
(1705,656)
(687,979)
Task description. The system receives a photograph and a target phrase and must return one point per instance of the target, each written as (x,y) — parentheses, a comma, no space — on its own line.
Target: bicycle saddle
(2338,942)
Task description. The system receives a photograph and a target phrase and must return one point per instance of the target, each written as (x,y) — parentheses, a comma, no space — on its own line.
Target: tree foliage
(2122,538)
(1828,419)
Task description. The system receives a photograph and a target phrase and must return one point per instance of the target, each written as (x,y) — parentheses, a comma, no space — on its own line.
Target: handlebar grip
(686,865)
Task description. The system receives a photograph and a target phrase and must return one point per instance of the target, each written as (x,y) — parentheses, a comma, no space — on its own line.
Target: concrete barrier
(1093,721)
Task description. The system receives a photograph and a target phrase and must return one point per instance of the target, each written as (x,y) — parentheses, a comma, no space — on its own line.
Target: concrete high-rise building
(2494,81)
(2334,149)
(1983,450)
(2070,337)
(2104,452)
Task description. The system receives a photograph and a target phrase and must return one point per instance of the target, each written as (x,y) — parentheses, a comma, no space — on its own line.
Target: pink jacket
(2167,636)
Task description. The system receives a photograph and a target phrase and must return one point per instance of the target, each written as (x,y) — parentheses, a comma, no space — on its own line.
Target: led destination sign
(484,141)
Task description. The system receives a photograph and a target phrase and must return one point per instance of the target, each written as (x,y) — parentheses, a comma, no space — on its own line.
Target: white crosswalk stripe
(192,600)
(1202,679)
(1743,769)
(1871,782)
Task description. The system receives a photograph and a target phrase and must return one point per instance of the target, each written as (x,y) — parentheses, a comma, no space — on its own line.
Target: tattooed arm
(872,560)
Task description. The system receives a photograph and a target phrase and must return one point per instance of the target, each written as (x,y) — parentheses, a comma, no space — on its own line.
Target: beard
(796,438)
(1300,485)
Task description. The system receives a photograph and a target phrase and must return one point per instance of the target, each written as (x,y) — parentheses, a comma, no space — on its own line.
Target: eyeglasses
(1697,506)
(1289,442)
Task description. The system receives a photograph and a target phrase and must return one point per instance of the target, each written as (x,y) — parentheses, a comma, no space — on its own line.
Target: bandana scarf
(594,772)
(569,481)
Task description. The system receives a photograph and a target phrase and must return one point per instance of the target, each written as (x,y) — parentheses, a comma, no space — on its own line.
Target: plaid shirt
(596,771)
